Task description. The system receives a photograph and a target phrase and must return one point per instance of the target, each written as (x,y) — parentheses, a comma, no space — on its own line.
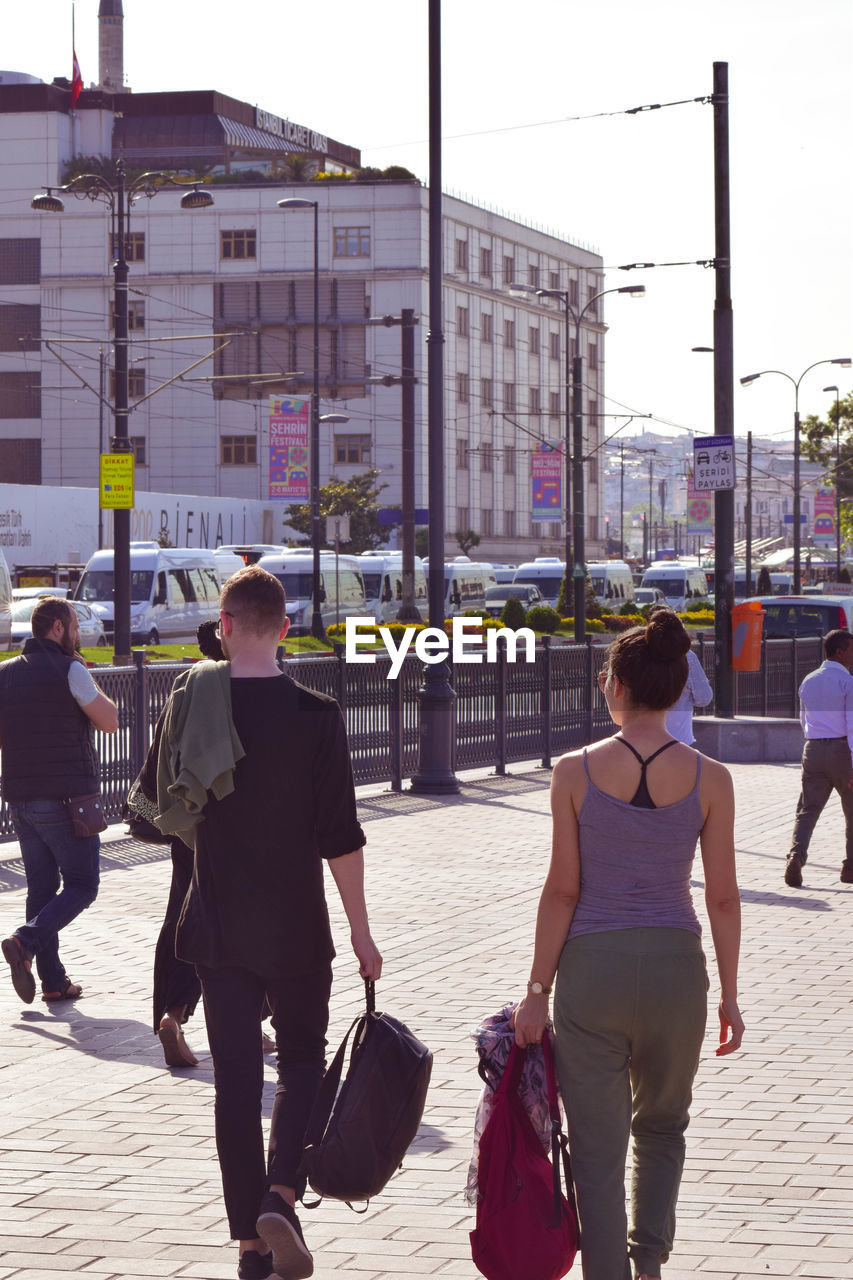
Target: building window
(462,388)
(461,518)
(509,524)
(20,397)
(487,457)
(592,355)
(554,404)
(509,270)
(461,255)
(20,459)
(592,470)
(535,529)
(486,392)
(487,519)
(509,397)
(20,326)
(352,449)
(509,460)
(135,383)
(592,413)
(237,451)
(462,322)
(134,246)
(554,280)
(533,340)
(462,455)
(486,262)
(509,333)
(533,276)
(573,292)
(486,326)
(554,345)
(138,443)
(238,244)
(135,316)
(352,242)
(593,306)
(20,262)
(535,401)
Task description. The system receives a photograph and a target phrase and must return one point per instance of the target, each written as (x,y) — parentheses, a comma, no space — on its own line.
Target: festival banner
(289,427)
(546,473)
(824,518)
(700,510)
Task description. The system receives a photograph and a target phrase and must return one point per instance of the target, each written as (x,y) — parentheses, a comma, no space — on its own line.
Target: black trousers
(175,981)
(234,1004)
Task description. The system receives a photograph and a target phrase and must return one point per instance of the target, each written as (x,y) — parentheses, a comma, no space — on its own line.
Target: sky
(636,187)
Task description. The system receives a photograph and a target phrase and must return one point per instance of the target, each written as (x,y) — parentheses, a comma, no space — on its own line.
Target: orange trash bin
(747,626)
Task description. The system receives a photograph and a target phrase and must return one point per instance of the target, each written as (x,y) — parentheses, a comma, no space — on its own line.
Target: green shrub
(698,617)
(697,606)
(543,618)
(512,614)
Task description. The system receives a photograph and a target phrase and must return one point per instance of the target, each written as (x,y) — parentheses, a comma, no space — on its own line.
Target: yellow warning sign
(116,480)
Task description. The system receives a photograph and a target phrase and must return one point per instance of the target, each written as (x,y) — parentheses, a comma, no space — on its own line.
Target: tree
(764,587)
(357,498)
(818,445)
(422,541)
(467,539)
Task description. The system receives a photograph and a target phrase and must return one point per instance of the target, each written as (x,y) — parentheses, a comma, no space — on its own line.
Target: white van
(5,604)
(382,572)
(612,583)
(681,584)
(547,572)
(172,590)
(465,584)
(294,569)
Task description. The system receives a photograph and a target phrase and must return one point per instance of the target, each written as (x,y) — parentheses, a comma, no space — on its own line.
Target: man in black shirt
(255,921)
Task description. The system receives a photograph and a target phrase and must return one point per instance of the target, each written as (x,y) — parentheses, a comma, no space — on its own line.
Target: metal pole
(837,487)
(724,504)
(408,611)
(337,573)
(435,736)
(120,441)
(317,628)
(101,390)
(798,572)
(747,513)
(650,523)
(621,498)
(568,443)
(579,551)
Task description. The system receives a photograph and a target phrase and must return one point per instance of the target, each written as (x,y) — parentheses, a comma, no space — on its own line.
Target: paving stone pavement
(107,1162)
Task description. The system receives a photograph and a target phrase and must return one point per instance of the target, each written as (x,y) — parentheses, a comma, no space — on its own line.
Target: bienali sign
(291,132)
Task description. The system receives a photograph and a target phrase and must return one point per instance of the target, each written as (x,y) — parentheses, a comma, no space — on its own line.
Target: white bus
(382,572)
(547,572)
(465,585)
(612,583)
(341,592)
(681,584)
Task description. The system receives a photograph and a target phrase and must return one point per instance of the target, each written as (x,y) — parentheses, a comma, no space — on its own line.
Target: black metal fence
(503,711)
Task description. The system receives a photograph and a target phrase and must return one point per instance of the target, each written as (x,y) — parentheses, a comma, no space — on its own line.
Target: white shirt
(82,686)
(697,693)
(826,702)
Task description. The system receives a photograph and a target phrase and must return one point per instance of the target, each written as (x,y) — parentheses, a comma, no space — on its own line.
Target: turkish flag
(76,79)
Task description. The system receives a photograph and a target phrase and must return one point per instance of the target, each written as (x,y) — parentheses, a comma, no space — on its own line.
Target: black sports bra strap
(655,754)
(650,758)
(633,750)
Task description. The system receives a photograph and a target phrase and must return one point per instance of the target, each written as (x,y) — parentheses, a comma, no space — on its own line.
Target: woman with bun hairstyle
(617,927)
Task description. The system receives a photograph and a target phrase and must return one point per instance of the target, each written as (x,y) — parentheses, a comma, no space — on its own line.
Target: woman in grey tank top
(616,925)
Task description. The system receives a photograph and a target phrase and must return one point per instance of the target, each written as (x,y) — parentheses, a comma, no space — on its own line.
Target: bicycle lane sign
(713,463)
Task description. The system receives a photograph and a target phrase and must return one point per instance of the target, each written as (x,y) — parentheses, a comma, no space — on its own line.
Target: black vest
(47,741)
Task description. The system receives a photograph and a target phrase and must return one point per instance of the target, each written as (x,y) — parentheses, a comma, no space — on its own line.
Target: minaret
(111,45)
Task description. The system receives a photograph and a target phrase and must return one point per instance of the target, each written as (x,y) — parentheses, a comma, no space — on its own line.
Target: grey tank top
(636,862)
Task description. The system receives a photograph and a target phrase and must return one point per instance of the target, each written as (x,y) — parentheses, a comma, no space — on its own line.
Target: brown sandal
(71,991)
(176,1051)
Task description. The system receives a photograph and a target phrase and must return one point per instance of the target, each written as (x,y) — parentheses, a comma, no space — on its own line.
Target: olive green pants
(629,1016)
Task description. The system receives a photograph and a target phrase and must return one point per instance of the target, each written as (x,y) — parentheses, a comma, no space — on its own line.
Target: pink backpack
(526,1228)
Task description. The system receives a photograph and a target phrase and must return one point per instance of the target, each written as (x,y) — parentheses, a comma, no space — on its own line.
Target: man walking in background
(258,769)
(49,705)
(826,714)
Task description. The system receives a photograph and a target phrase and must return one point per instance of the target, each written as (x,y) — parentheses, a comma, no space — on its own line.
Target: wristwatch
(537,989)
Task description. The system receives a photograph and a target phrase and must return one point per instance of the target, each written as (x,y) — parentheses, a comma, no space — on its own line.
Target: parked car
(785,616)
(91,628)
(35,593)
(496,597)
(648,595)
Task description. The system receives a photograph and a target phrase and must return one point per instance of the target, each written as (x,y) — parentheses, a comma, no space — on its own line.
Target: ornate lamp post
(119,197)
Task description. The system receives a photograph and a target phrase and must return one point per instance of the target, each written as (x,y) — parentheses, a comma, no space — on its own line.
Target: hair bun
(666,636)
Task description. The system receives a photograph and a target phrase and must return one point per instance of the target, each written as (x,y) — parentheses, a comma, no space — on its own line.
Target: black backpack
(355,1142)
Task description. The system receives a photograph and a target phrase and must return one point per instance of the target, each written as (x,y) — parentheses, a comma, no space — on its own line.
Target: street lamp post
(837,489)
(119,198)
(317,628)
(845,362)
(576,507)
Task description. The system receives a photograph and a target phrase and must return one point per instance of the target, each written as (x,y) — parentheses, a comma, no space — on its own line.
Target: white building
(243,270)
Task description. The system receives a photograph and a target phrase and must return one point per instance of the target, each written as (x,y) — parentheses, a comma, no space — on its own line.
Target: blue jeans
(51,852)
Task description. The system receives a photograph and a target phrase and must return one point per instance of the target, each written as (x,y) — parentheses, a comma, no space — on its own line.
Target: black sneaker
(794,871)
(847,873)
(20,963)
(254,1265)
(278,1226)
